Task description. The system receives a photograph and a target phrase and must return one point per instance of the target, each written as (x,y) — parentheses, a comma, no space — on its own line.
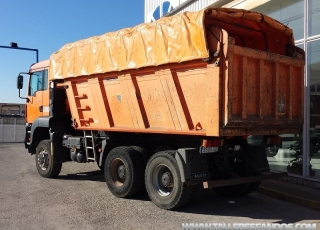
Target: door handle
(41,108)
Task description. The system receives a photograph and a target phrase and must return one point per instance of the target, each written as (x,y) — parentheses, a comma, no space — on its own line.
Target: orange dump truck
(168,105)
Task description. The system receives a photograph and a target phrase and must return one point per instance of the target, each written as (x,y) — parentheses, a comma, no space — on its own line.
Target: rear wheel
(239,189)
(163,182)
(271,151)
(123,170)
(229,191)
(254,186)
(196,194)
(44,161)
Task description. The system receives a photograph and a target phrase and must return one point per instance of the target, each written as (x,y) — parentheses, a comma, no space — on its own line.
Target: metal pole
(2,128)
(306,125)
(21,48)
(14,129)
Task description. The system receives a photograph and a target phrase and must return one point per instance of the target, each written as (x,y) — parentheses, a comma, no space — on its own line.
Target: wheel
(238,189)
(163,182)
(229,191)
(254,186)
(44,161)
(144,154)
(123,171)
(271,151)
(196,194)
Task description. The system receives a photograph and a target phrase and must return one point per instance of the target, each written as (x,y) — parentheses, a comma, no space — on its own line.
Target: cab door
(38,95)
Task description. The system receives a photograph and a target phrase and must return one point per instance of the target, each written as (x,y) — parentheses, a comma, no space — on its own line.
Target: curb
(289,198)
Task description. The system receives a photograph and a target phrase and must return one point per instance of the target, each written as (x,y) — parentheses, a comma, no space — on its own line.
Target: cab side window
(38,82)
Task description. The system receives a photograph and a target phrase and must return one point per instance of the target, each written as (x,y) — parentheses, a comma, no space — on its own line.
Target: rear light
(212,142)
(210,145)
(274,140)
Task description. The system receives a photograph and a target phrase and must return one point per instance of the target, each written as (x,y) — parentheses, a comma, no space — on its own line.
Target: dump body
(258,93)
(240,78)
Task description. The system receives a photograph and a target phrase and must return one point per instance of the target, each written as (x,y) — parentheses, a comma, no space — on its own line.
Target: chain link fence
(12,129)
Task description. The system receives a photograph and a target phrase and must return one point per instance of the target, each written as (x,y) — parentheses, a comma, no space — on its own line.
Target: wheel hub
(163,180)
(166,179)
(117,171)
(43,159)
(122,171)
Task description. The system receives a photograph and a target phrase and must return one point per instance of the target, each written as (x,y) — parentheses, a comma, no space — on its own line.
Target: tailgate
(263,92)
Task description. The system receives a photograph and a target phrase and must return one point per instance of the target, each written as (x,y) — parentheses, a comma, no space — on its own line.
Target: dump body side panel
(175,98)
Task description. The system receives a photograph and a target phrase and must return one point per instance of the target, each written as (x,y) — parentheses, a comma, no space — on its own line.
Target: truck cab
(38,93)
(37,100)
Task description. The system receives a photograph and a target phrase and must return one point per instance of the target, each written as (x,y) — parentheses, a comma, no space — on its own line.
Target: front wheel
(163,182)
(44,161)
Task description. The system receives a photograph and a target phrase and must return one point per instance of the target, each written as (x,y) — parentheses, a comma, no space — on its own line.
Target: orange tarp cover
(172,39)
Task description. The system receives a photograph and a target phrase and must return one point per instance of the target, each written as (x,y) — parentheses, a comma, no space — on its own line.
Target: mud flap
(60,153)
(193,166)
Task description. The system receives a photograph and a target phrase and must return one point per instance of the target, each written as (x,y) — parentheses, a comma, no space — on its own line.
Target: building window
(313,69)
(289,12)
(314,17)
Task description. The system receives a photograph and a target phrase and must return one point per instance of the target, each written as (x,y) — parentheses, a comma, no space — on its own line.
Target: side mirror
(20,82)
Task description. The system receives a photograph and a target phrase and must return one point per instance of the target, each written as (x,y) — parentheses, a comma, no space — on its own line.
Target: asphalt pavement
(79,199)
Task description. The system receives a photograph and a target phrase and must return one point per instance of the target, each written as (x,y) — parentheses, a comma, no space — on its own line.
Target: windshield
(38,82)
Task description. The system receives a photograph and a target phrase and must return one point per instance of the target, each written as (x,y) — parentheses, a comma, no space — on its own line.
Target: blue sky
(47,25)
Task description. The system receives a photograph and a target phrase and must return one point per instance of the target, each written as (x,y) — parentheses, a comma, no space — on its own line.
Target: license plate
(208,149)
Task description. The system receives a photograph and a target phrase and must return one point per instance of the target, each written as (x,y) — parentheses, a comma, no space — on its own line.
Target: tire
(44,161)
(123,171)
(272,151)
(196,194)
(254,187)
(237,190)
(229,191)
(144,154)
(163,182)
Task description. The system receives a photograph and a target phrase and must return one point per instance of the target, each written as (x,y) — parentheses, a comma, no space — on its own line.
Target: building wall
(158,8)
(12,129)
(12,109)
(12,122)
(154,9)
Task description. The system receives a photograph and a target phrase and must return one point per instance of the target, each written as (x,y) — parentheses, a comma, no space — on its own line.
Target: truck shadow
(255,206)
(91,175)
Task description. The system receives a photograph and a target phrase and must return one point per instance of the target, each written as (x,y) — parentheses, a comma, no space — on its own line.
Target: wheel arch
(39,131)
